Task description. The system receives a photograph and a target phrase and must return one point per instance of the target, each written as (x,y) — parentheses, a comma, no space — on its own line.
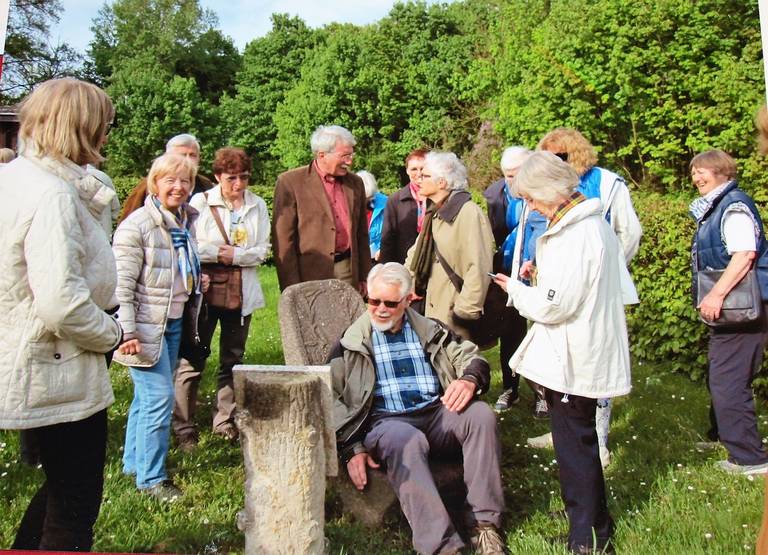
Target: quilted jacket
(58,276)
(145,269)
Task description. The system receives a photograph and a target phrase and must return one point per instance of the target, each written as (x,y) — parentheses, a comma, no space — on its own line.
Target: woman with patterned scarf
(730,237)
(158,277)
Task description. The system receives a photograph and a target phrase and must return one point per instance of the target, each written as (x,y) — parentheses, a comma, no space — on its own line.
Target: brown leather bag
(226,287)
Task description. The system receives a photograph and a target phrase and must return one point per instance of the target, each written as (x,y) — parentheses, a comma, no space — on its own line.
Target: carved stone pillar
(286,431)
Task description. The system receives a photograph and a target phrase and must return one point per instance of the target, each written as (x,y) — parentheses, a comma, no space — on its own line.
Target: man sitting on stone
(405,388)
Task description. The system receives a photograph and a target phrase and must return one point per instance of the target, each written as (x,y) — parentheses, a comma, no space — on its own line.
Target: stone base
(371,505)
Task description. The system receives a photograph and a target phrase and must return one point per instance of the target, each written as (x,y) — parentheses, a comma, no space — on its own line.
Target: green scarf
(424,255)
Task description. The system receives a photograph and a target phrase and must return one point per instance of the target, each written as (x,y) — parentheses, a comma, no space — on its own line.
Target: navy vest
(709,252)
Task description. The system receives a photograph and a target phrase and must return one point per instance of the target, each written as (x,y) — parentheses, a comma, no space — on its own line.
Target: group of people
(557,237)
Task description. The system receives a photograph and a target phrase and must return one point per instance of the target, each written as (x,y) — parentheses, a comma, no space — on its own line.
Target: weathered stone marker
(288,441)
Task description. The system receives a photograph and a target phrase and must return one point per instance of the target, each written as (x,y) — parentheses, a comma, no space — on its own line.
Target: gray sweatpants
(404,443)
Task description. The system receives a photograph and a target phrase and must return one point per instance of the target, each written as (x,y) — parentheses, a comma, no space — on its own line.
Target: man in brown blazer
(319,228)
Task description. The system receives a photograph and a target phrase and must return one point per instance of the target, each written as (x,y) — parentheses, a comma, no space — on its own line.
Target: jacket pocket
(57,373)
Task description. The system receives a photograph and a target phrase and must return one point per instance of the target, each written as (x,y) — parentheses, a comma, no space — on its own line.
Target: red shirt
(335,194)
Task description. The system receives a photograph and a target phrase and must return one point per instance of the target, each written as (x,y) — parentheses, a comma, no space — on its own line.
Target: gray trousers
(403,444)
(234,333)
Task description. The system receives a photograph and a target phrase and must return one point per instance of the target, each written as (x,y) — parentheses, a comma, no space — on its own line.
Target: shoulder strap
(457,282)
(217,218)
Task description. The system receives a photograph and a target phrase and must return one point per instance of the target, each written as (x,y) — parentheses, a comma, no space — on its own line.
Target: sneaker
(540,442)
(605,457)
(163,491)
(744,469)
(541,410)
(506,400)
(187,443)
(706,445)
(486,540)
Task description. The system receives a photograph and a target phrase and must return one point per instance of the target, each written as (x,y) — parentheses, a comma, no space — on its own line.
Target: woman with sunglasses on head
(58,279)
(233,239)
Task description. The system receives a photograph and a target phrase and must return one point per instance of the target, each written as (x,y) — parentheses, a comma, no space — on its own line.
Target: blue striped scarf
(189,263)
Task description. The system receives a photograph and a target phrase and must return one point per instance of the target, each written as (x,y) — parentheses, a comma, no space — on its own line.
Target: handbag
(226,287)
(485,331)
(743,304)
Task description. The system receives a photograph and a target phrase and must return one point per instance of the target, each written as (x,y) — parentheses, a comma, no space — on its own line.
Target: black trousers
(61,515)
(734,357)
(514,330)
(582,486)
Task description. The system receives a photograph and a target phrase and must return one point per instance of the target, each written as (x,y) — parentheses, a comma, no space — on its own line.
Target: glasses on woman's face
(389,304)
(231,179)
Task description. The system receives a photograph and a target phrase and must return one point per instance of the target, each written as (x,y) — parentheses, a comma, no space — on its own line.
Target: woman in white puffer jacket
(158,275)
(57,281)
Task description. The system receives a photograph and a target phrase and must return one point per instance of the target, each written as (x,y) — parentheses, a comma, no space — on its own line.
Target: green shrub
(664,328)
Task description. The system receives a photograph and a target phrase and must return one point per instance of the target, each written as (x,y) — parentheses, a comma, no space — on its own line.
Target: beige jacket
(253,248)
(462,234)
(146,270)
(58,278)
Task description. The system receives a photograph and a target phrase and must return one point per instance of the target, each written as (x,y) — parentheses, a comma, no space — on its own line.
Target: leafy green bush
(664,328)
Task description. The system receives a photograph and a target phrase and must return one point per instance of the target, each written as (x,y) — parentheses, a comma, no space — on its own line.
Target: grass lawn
(664,495)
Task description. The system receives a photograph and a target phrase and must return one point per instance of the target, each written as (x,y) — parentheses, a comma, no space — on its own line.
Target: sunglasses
(562,155)
(388,304)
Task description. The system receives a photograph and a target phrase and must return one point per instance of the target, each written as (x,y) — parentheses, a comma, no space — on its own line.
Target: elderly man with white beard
(405,388)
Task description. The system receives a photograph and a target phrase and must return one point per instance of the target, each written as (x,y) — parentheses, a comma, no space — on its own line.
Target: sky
(243,20)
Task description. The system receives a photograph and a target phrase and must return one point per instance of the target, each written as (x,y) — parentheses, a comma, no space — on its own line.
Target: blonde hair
(717,161)
(564,140)
(6,155)
(169,164)
(67,118)
(546,178)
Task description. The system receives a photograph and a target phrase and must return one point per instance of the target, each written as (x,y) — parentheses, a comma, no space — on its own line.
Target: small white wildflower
(708,536)
(642,483)
(634,437)
(535,456)
(690,488)
(206,521)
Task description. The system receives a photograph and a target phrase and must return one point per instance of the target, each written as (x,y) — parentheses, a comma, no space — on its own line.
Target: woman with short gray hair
(455,241)
(577,347)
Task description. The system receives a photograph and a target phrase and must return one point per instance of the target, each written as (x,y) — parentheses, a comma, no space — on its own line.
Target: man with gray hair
(187,145)
(507,215)
(319,226)
(406,388)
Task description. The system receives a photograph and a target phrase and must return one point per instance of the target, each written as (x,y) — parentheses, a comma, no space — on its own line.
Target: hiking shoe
(163,491)
(228,431)
(187,443)
(743,469)
(541,410)
(540,442)
(506,400)
(486,540)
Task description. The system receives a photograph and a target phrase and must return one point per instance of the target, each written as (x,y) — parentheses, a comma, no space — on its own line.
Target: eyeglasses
(388,304)
(232,178)
(346,157)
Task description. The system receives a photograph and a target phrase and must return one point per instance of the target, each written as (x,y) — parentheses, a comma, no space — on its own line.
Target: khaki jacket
(144,253)
(354,375)
(462,234)
(303,228)
(58,278)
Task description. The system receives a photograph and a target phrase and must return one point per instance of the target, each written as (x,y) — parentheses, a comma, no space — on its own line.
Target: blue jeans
(147,435)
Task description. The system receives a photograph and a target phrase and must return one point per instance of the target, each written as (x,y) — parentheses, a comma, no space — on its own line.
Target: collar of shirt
(325,177)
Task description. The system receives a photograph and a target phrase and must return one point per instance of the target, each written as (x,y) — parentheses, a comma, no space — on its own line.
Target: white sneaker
(540,442)
(744,469)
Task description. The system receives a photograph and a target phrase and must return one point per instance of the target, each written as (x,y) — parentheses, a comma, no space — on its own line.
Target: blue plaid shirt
(405,380)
